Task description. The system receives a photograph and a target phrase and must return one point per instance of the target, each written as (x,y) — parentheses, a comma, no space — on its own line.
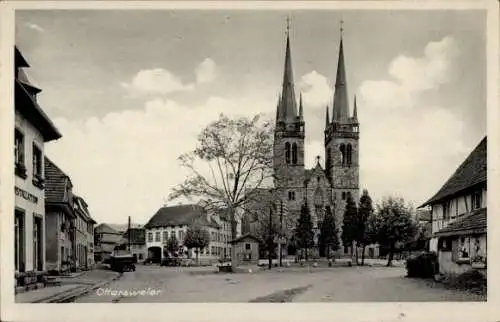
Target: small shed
(246,250)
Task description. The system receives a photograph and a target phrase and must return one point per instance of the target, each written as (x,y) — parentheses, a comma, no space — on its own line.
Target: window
(37,243)
(476,200)
(150,237)
(37,162)
(287,152)
(248,246)
(291,195)
(19,154)
(19,245)
(349,155)
(294,153)
(213,250)
(464,248)
(157,236)
(446,210)
(343,195)
(342,154)
(213,236)
(165,236)
(181,236)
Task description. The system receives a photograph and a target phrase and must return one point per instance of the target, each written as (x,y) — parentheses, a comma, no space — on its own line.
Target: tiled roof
(470,173)
(56,182)
(106,229)
(472,223)
(19,59)
(179,215)
(137,236)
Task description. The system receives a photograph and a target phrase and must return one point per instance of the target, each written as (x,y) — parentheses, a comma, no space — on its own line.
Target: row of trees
(234,158)
(391,226)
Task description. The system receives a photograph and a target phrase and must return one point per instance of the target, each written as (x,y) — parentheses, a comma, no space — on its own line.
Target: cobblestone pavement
(339,284)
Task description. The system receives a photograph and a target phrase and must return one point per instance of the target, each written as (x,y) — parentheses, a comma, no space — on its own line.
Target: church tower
(288,159)
(342,143)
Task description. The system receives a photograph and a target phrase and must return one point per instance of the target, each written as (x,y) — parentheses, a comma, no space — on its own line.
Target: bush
(424,265)
(470,280)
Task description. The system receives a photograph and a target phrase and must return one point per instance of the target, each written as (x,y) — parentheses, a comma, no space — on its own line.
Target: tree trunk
(357,256)
(233,237)
(363,255)
(391,255)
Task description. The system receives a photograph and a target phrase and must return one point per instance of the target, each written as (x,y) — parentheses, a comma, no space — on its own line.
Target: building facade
(32,130)
(106,239)
(459,216)
(85,235)
(318,187)
(136,239)
(61,218)
(175,221)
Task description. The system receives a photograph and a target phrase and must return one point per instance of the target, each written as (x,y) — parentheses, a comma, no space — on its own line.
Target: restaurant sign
(26,195)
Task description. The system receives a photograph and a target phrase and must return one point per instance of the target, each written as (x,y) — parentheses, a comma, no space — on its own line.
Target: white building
(32,129)
(459,212)
(175,220)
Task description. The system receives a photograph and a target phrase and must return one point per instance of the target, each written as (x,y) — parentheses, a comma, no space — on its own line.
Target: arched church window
(342,154)
(343,195)
(291,195)
(349,155)
(287,152)
(318,197)
(294,153)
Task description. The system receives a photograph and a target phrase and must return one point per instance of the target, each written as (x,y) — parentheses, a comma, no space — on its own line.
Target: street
(338,284)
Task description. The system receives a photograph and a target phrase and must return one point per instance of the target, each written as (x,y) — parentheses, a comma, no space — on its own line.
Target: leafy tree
(304,234)
(196,237)
(328,237)
(393,224)
(172,245)
(365,212)
(350,227)
(233,157)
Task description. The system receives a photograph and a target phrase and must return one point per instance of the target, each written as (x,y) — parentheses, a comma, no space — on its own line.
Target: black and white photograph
(286,154)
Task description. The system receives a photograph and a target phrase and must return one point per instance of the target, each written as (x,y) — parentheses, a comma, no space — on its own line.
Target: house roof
(123,227)
(179,215)
(246,236)
(84,210)
(56,183)
(106,229)
(19,59)
(473,223)
(470,173)
(26,105)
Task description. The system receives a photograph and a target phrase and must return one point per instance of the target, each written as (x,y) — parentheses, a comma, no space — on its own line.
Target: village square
(253,213)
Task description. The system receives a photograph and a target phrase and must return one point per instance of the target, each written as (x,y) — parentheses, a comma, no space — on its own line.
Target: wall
(448,266)
(459,206)
(30,207)
(52,228)
(241,252)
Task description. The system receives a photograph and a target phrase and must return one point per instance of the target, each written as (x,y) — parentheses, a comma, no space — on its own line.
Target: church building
(319,187)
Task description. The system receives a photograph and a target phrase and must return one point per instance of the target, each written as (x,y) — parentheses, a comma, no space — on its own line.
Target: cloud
(35,27)
(156,81)
(410,76)
(315,90)
(205,72)
(125,163)
(406,146)
(162,81)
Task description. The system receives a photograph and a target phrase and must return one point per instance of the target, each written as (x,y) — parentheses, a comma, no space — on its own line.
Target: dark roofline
(63,174)
(439,196)
(35,115)
(19,60)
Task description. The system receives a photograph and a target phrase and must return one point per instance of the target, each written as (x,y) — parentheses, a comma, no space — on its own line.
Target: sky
(130,91)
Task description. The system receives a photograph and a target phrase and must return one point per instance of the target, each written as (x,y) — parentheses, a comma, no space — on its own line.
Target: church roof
(470,173)
(287,106)
(340,101)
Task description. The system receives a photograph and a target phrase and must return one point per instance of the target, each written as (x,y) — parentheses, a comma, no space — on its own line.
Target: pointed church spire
(340,102)
(279,114)
(289,103)
(301,108)
(355,112)
(327,120)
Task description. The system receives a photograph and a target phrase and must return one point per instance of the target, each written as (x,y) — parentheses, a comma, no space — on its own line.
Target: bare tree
(233,158)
